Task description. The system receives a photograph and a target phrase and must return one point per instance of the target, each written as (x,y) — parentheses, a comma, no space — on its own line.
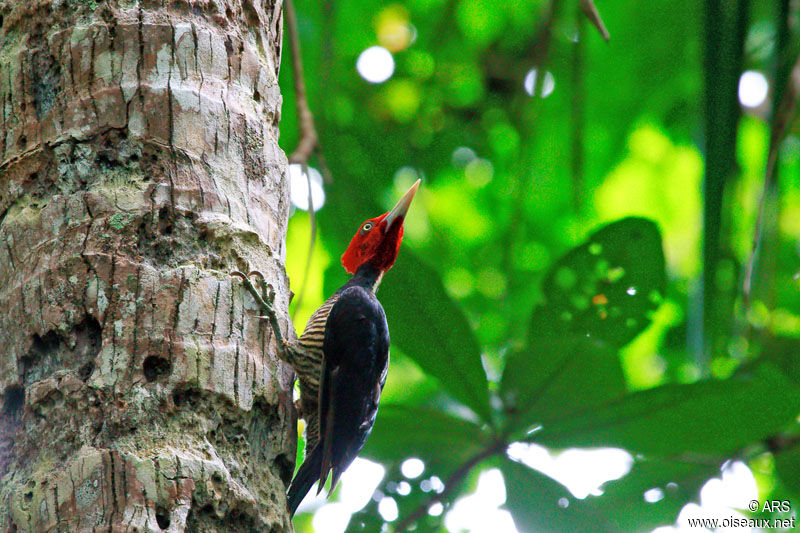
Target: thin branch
(725,26)
(577,124)
(780,124)
(591,12)
(540,47)
(309,140)
(313,240)
(451,484)
(780,442)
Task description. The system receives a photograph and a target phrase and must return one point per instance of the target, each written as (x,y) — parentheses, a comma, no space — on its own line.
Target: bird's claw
(240,275)
(267,296)
(267,291)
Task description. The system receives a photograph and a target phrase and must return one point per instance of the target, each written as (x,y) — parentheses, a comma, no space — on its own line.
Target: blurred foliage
(556,285)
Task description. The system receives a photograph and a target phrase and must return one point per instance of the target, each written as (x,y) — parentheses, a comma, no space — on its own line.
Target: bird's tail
(306,475)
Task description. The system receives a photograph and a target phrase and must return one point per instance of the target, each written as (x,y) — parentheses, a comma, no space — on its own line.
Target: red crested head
(378,239)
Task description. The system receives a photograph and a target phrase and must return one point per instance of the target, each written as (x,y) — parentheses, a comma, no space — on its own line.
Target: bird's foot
(265,298)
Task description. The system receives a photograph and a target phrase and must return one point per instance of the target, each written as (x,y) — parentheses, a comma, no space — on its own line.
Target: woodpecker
(342,357)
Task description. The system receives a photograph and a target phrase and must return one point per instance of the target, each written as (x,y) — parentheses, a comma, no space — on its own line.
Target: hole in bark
(256,95)
(28,496)
(155,367)
(22,141)
(56,351)
(13,401)
(229,14)
(285,466)
(45,345)
(165,221)
(162,517)
(188,396)
(85,371)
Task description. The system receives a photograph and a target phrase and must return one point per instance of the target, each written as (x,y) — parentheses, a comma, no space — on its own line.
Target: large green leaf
(784,353)
(607,287)
(441,440)
(551,379)
(538,503)
(715,417)
(787,467)
(673,483)
(430,328)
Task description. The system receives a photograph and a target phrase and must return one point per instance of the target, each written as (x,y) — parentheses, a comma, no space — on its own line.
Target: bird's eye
(366,227)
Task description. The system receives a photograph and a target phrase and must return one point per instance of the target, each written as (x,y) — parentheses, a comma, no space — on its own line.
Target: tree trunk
(139,165)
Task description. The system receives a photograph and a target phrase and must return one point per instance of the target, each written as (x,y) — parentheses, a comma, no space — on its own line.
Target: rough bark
(139,165)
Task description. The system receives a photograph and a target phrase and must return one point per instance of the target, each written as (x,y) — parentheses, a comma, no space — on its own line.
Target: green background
(510,306)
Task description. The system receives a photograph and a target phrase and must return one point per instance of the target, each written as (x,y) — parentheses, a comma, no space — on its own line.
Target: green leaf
(429,327)
(607,287)
(676,482)
(716,417)
(533,500)
(538,503)
(553,378)
(784,353)
(787,466)
(442,440)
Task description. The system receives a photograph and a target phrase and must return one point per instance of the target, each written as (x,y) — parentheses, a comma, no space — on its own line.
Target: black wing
(356,358)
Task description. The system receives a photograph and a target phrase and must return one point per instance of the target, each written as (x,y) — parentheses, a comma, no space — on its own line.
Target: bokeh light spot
(463,156)
(359,482)
(491,283)
(298,186)
(459,282)
(393,29)
(539,87)
(402,97)
(653,495)
(388,509)
(331,518)
(412,467)
(479,172)
(419,64)
(753,88)
(375,64)
(582,471)
(403,488)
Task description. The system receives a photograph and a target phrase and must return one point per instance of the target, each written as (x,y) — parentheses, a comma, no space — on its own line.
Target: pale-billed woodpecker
(342,357)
